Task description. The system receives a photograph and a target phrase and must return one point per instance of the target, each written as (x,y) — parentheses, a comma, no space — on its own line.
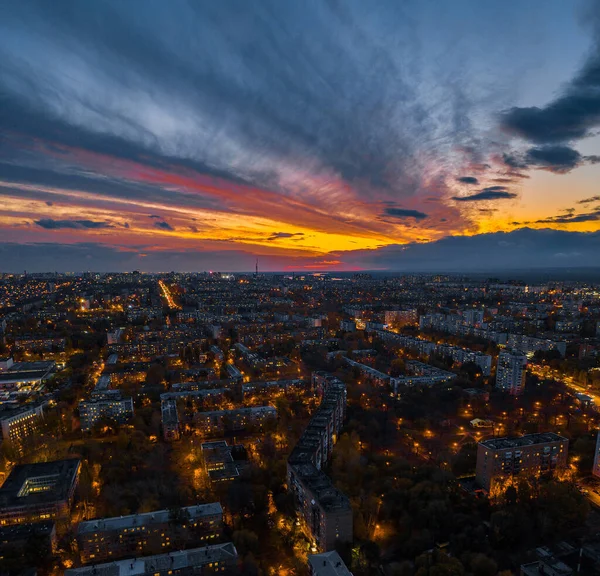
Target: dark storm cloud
(233,89)
(512,161)
(556,158)
(404,213)
(50,224)
(560,159)
(574,114)
(523,248)
(163,226)
(467,180)
(278,235)
(489,193)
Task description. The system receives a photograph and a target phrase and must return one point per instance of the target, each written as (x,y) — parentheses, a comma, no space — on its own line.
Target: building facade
(532,455)
(511,372)
(150,533)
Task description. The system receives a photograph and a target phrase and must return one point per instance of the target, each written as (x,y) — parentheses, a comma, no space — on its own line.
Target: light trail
(167,295)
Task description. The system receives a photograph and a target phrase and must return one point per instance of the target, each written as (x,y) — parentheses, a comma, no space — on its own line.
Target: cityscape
(331,424)
(299,288)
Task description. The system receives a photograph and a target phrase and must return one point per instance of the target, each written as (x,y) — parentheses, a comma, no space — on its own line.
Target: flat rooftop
(146,519)
(179,560)
(328,564)
(37,484)
(522,441)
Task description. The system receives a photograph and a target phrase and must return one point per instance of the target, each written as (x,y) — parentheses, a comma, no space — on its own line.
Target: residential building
(149,533)
(215,559)
(17,537)
(170,420)
(216,422)
(532,455)
(114,408)
(325,510)
(511,372)
(19,424)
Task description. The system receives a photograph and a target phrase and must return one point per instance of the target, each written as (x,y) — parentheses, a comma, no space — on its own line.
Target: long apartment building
(427,348)
(105,539)
(216,422)
(114,407)
(531,455)
(325,510)
(104,402)
(215,559)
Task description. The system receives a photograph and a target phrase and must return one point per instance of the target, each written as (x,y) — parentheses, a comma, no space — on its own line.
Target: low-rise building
(37,492)
(216,422)
(143,534)
(214,559)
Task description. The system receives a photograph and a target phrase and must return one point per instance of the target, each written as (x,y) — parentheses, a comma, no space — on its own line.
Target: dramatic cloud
(555,158)
(50,224)
(275,127)
(490,193)
(559,159)
(521,249)
(403,213)
(571,116)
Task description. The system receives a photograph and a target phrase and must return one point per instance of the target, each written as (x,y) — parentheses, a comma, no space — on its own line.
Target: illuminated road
(167,294)
(568,381)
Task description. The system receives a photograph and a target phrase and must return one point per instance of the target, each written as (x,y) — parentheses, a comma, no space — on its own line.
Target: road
(167,294)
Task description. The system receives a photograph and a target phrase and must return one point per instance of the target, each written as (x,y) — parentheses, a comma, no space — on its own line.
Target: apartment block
(511,372)
(531,455)
(216,559)
(150,533)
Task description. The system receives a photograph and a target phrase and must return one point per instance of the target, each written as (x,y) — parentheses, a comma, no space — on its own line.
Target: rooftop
(147,519)
(328,564)
(41,483)
(527,440)
(179,560)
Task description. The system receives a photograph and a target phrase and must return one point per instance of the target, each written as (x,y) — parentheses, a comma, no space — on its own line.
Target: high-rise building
(511,372)
(528,456)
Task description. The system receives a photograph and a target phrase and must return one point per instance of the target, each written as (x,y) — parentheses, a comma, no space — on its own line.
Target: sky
(314,135)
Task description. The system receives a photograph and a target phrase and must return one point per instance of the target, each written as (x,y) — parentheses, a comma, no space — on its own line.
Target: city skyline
(315,137)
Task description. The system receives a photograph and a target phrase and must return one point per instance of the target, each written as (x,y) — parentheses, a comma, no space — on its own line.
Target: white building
(511,372)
